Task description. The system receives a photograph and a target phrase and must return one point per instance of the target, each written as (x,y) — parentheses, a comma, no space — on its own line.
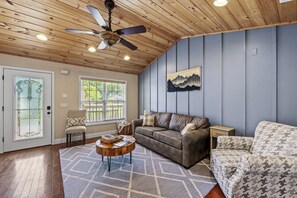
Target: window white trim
(104,79)
(99,78)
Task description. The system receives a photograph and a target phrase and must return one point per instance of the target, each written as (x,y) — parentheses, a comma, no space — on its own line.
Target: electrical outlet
(64,95)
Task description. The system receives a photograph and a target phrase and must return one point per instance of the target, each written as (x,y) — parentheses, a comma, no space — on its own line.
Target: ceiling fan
(109,37)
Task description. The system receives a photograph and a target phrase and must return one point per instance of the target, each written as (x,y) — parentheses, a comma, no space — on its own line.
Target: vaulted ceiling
(166,20)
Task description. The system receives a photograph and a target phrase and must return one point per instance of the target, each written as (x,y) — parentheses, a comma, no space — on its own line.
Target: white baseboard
(88,136)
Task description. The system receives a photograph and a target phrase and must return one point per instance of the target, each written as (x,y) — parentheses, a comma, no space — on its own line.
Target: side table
(216,131)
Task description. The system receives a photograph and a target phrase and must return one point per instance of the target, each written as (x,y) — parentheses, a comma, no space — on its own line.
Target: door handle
(48,107)
(48,113)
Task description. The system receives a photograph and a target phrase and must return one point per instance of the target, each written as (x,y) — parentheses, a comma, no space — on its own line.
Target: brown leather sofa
(165,137)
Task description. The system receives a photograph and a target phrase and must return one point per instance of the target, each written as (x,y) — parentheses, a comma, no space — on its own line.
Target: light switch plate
(254,51)
(63,105)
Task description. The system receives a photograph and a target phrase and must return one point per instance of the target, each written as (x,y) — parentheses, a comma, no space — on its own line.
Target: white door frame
(2,67)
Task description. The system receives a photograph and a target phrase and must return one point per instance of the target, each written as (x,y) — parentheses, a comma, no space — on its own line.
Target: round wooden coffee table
(110,150)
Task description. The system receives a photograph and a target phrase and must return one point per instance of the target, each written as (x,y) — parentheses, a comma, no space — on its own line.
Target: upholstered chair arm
(270,165)
(235,142)
(195,146)
(136,123)
(276,174)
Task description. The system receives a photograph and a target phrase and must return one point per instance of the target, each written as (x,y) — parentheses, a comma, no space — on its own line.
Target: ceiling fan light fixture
(110,38)
(92,49)
(41,37)
(220,3)
(127,57)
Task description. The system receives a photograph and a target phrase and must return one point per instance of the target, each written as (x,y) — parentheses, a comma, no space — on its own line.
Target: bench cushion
(75,129)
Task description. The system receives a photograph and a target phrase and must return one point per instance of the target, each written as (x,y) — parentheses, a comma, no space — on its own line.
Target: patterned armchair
(264,166)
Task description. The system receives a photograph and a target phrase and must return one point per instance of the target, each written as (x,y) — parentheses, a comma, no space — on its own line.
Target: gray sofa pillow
(178,122)
(162,119)
(200,122)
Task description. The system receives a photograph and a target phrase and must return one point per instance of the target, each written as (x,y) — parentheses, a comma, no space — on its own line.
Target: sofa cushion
(200,122)
(148,131)
(169,137)
(227,160)
(163,120)
(275,139)
(179,122)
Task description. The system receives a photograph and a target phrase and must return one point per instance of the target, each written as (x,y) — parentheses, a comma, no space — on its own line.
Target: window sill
(88,124)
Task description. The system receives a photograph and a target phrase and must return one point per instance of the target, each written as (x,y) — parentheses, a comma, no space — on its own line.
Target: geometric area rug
(149,175)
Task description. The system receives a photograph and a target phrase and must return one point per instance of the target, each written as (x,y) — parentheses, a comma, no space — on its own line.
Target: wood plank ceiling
(166,20)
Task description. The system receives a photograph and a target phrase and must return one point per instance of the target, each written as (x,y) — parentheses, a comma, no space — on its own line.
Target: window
(104,100)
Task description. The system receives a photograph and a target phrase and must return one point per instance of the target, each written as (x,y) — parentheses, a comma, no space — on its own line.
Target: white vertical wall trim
(203,76)
(1,113)
(150,83)
(275,73)
(166,81)
(189,54)
(244,81)
(221,76)
(176,46)
(157,85)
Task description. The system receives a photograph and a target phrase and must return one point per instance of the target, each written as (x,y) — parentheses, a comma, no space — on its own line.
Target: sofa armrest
(195,136)
(195,146)
(235,142)
(136,123)
(270,165)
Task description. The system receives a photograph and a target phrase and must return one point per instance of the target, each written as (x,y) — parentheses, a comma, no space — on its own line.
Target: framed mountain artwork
(186,80)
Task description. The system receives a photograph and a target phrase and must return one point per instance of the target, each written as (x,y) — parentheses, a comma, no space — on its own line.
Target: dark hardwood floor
(216,192)
(36,173)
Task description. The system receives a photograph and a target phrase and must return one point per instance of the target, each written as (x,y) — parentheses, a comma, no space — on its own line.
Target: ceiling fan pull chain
(109,19)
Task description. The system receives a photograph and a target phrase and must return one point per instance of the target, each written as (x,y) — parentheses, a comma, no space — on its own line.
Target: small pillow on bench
(189,127)
(148,120)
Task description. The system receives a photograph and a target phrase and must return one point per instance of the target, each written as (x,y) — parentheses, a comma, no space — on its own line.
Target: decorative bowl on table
(109,139)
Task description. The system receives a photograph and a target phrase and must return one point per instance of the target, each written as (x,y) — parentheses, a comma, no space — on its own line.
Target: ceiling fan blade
(82,31)
(131,30)
(128,44)
(98,17)
(102,45)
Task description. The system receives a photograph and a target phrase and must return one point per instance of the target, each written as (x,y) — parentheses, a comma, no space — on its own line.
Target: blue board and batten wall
(247,76)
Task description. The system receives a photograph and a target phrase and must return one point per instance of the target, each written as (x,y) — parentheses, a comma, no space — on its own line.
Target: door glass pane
(28,108)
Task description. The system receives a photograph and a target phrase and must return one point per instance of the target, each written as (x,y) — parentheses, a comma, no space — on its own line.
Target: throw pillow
(148,120)
(75,122)
(190,127)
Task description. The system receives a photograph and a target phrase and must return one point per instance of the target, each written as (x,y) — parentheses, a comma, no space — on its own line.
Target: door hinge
(2,77)
(2,139)
(2,108)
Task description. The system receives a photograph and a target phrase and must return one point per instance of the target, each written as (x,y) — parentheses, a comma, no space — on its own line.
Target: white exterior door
(27,109)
